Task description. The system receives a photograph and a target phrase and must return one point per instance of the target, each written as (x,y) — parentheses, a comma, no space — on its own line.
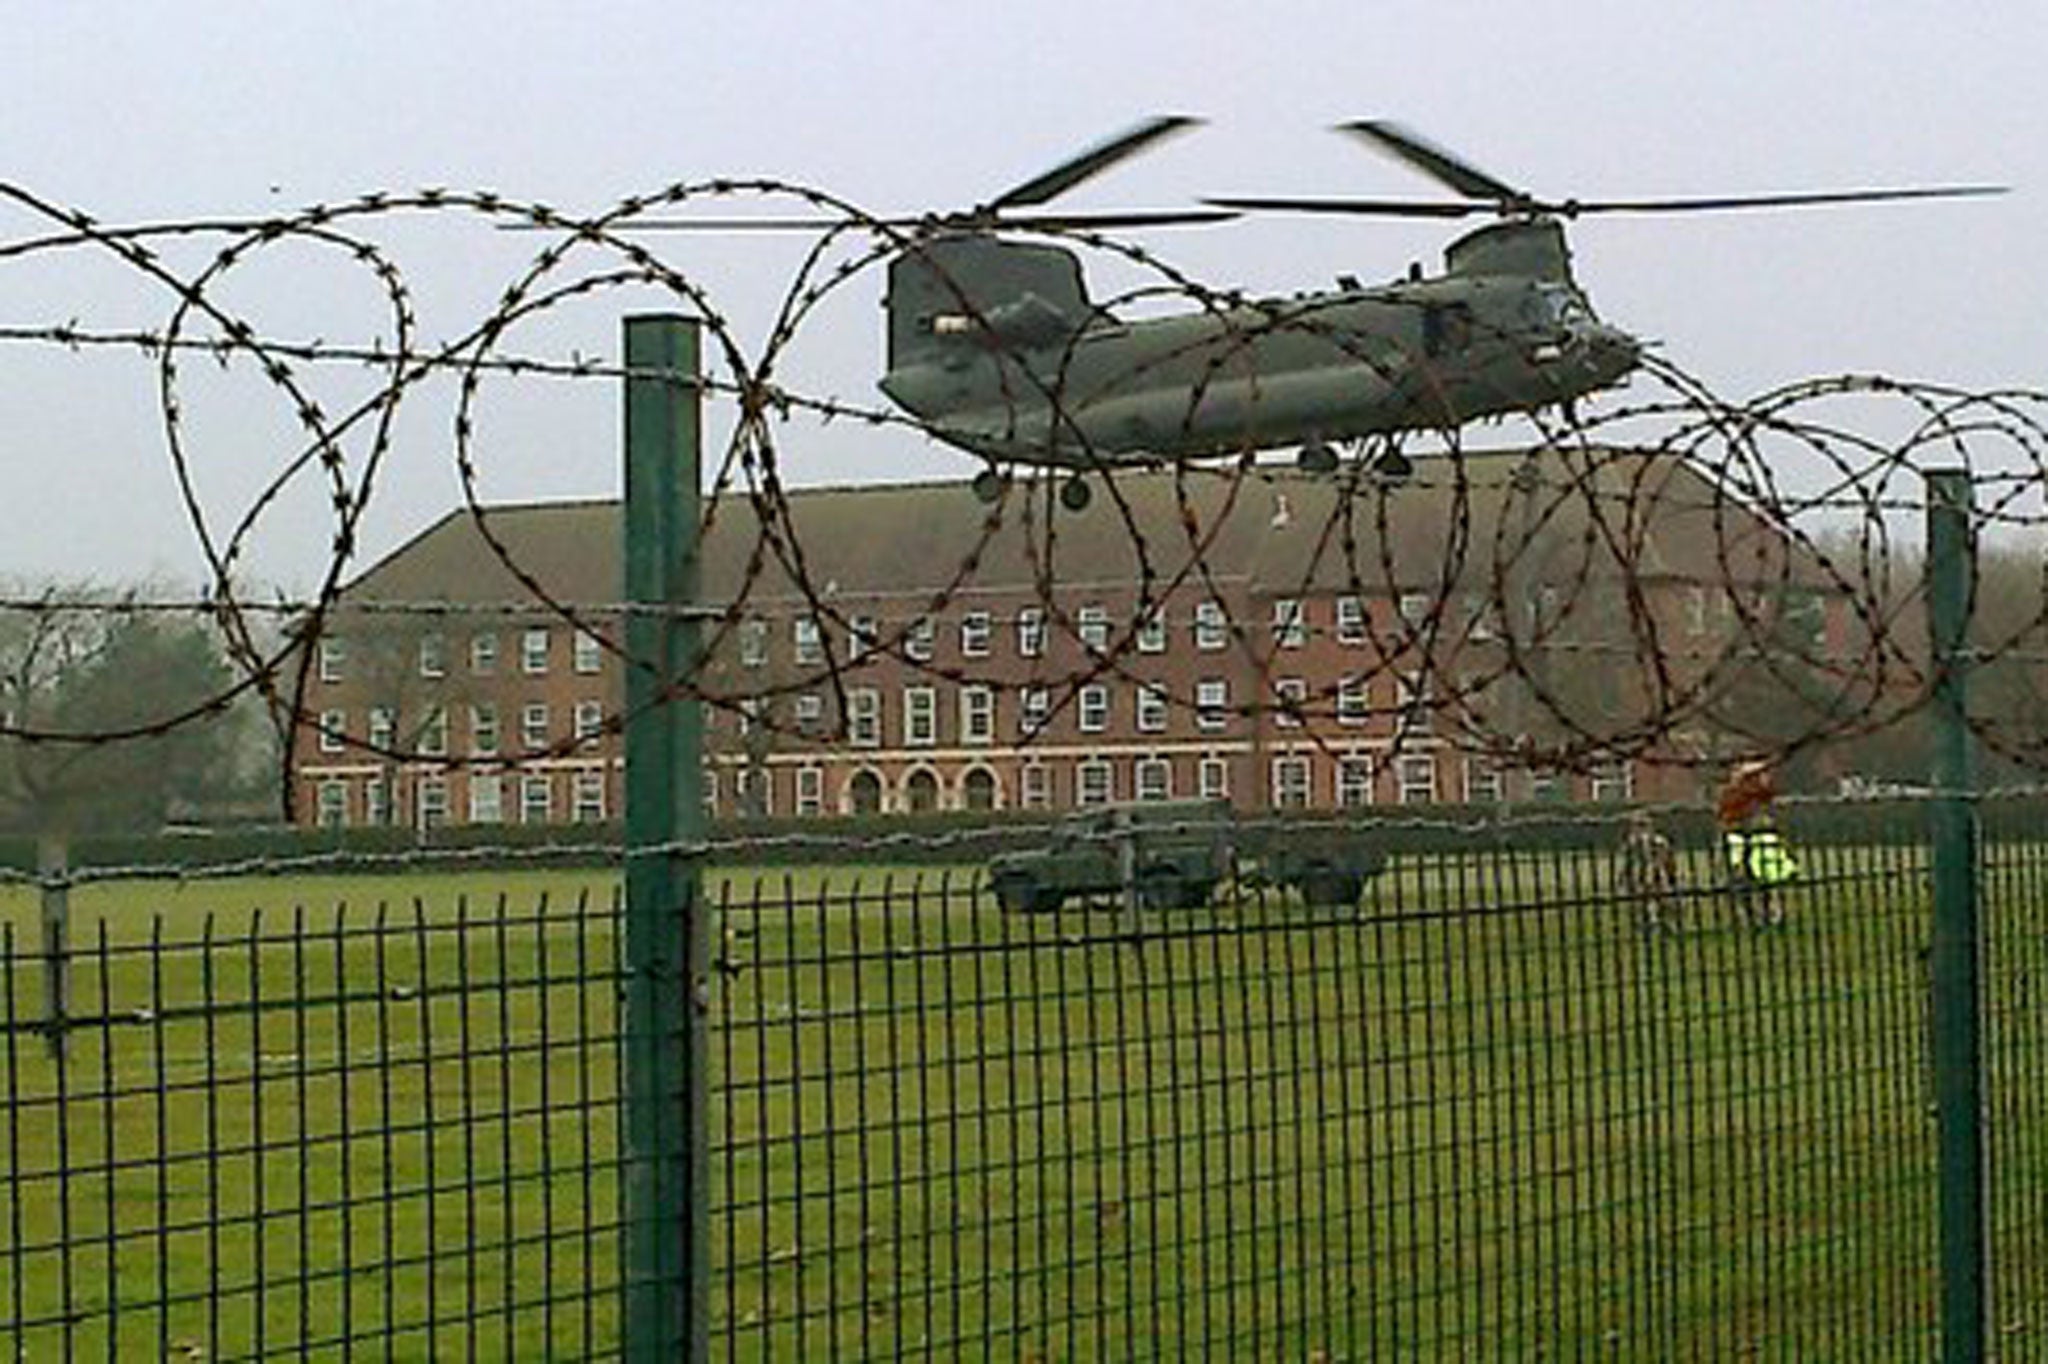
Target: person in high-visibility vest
(1759,860)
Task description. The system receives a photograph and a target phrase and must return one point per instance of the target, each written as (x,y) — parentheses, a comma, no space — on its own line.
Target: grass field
(1482,1118)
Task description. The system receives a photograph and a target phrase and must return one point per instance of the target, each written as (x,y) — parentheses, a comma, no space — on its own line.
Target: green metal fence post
(666,1255)
(1956,956)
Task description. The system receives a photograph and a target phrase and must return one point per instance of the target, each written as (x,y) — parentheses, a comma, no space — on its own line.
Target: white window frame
(1290,702)
(486,798)
(535,719)
(1415,776)
(1094,782)
(920,717)
(977,713)
(430,800)
(483,654)
(1293,781)
(976,631)
(1034,710)
(1091,708)
(434,733)
(1353,624)
(753,643)
(589,721)
(1355,775)
(1354,700)
(864,717)
(333,731)
(1290,623)
(333,656)
(1031,632)
(1152,778)
(1152,708)
(587,796)
(1212,778)
(806,640)
(1091,624)
(383,728)
(588,653)
(534,810)
(1212,626)
(1151,632)
(1212,704)
(535,644)
(810,790)
(1485,782)
(920,639)
(1034,786)
(331,803)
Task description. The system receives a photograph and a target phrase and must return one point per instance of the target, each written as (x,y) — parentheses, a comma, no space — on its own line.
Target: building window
(333,656)
(1152,631)
(1696,610)
(864,717)
(1154,779)
(864,793)
(1418,707)
(1351,620)
(377,802)
(333,731)
(1290,781)
(589,720)
(486,798)
(1290,623)
(1415,608)
(1213,779)
(978,789)
(1094,782)
(1212,627)
(806,640)
(1483,784)
(753,643)
(588,797)
(588,653)
(1290,702)
(918,641)
(1035,710)
(865,638)
(1093,625)
(1611,782)
(483,654)
(1212,704)
(434,733)
(920,717)
(975,632)
(1151,708)
(533,726)
(536,798)
(921,792)
(433,801)
(333,803)
(533,651)
(1093,701)
(1031,632)
(810,790)
(810,713)
(433,654)
(977,714)
(1354,780)
(383,728)
(1418,779)
(1034,789)
(483,730)
(1353,701)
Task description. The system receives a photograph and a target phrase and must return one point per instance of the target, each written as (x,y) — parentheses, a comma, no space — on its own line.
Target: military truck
(1173,855)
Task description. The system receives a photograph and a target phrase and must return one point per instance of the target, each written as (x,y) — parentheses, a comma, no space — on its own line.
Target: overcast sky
(149,111)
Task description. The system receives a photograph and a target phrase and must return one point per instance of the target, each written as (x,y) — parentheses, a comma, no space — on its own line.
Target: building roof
(1459,523)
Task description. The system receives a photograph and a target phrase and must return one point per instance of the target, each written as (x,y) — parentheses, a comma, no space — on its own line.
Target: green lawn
(1483,1118)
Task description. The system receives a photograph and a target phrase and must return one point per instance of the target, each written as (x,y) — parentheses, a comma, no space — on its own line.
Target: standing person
(1648,874)
(1758,859)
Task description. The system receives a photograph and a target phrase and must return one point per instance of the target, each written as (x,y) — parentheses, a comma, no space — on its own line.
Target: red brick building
(1277,639)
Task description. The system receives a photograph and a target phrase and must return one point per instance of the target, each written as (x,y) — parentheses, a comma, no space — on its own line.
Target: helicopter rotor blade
(1047,222)
(1438,164)
(1572,208)
(1380,208)
(1088,164)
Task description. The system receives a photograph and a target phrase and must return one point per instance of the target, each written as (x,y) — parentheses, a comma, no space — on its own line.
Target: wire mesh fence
(1493,1110)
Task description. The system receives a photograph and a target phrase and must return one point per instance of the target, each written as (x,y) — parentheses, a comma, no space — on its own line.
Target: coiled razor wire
(1541,622)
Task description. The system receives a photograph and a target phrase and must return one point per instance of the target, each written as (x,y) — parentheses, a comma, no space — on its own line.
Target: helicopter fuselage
(1021,381)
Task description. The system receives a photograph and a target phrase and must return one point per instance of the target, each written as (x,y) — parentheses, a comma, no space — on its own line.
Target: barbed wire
(1671,579)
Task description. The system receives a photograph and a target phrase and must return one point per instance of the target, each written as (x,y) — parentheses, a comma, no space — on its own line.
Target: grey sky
(148,111)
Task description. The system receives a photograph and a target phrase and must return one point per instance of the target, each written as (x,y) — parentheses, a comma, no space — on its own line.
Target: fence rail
(1486,1114)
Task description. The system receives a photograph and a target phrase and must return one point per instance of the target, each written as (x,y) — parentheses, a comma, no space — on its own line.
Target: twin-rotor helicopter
(995,346)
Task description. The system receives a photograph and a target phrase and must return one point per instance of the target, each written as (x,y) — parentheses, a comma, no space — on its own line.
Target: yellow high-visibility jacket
(1761,855)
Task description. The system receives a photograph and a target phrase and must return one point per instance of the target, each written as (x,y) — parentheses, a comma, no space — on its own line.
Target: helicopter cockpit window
(1551,306)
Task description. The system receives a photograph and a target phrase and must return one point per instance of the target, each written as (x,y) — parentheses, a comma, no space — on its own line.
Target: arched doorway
(921,792)
(864,793)
(978,789)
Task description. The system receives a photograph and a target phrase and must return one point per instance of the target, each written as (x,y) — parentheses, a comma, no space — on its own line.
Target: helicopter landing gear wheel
(988,486)
(1075,494)
(1389,464)
(1316,458)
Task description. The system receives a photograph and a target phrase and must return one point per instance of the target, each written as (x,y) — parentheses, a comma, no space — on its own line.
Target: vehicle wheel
(1316,458)
(1325,885)
(1075,494)
(1161,888)
(1018,895)
(988,486)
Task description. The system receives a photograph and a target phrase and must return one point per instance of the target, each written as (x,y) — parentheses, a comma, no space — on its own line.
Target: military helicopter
(995,346)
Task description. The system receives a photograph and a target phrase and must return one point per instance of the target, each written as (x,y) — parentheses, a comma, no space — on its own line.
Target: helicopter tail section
(981,291)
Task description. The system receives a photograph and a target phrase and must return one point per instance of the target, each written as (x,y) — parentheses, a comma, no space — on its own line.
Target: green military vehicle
(1173,855)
